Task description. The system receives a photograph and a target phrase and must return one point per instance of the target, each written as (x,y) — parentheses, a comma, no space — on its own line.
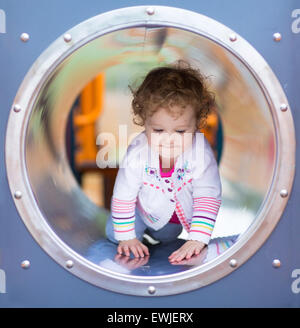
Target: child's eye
(181,131)
(157,130)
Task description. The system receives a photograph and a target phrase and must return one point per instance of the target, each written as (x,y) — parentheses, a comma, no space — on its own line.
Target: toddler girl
(168,178)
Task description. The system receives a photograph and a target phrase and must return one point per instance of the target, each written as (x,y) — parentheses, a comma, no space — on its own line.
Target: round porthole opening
(52,179)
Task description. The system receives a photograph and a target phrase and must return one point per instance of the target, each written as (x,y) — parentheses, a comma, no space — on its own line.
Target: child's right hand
(137,248)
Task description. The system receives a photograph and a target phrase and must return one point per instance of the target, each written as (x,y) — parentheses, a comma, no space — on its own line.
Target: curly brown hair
(176,84)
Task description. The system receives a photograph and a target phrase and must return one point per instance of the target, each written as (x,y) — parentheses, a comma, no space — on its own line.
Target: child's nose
(167,139)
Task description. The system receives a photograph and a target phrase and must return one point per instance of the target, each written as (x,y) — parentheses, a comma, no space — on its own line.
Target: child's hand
(129,263)
(194,260)
(137,248)
(187,250)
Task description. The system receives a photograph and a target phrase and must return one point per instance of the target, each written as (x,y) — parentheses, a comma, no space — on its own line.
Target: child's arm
(123,203)
(207,190)
(206,202)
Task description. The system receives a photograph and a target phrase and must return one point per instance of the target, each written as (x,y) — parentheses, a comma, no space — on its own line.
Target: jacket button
(167,181)
(172,200)
(169,189)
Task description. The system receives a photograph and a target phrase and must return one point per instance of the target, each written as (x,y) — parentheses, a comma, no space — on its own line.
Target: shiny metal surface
(17,108)
(283,107)
(233,263)
(284,193)
(69,264)
(276,263)
(67,37)
(18,194)
(24,37)
(277,37)
(25,264)
(257,158)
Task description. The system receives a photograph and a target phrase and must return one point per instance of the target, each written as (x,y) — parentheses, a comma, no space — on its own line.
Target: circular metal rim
(246,245)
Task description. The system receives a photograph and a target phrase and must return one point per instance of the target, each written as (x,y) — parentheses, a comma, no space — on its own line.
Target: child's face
(168,134)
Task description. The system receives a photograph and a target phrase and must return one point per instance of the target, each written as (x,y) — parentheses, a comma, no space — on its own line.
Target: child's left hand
(187,250)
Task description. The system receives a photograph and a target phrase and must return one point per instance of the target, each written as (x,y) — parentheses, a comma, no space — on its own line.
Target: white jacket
(193,190)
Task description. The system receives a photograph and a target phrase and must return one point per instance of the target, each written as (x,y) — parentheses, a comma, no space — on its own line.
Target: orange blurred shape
(85,117)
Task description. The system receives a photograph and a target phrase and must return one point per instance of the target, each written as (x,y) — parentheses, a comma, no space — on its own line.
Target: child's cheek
(154,141)
(187,140)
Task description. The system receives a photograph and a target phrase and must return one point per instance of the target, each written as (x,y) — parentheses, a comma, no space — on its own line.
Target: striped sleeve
(206,198)
(123,202)
(123,217)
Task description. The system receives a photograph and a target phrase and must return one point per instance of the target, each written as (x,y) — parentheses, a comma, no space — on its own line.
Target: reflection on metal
(150,11)
(258,157)
(277,37)
(24,37)
(69,264)
(283,193)
(233,37)
(233,263)
(25,264)
(283,107)
(85,117)
(18,194)
(67,37)
(151,290)
(276,263)
(104,253)
(17,108)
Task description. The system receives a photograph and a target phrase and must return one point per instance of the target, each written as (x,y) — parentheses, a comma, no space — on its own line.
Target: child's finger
(181,256)
(173,254)
(126,250)
(134,251)
(178,256)
(119,250)
(145,249)
(190,253)
(140,251)
(198,250)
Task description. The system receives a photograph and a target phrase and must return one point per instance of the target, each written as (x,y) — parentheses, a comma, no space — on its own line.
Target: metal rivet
(25,264)
(150,11)
(17,108)
(69,264)
(276,263)
(67,37)
(277,37)
(151,290)
(18,194)
(283,193)
(283,107)
(24,37)
(232,37)
(233,263)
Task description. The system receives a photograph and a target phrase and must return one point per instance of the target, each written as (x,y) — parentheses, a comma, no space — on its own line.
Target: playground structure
(77,88)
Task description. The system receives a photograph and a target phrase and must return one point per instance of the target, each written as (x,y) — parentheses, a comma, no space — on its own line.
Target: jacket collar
(153,156)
